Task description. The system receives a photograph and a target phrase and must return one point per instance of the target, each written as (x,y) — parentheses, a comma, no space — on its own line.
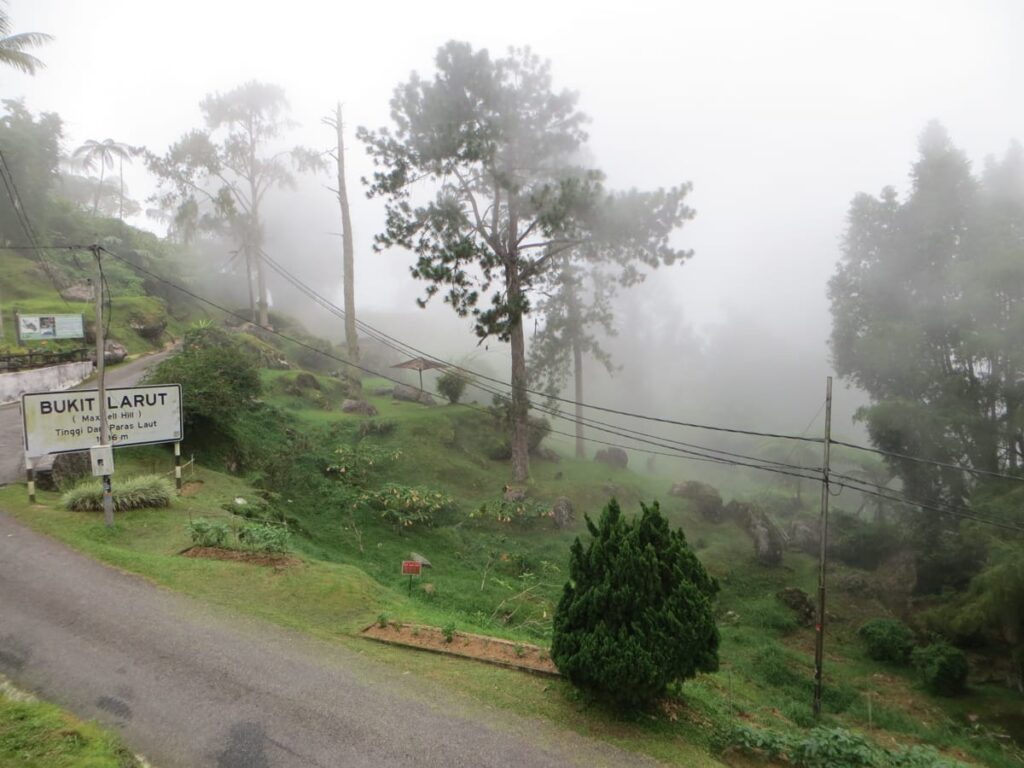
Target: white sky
(778,112)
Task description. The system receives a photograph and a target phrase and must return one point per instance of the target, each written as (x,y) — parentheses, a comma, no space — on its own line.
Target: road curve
(188,687)
(12,452)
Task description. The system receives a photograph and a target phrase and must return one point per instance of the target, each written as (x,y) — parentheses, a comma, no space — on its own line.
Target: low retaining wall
(54,377)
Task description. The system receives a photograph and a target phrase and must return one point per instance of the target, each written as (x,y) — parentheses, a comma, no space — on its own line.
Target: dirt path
(187,687)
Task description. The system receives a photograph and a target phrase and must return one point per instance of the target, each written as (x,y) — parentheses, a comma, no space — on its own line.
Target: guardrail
(30,360)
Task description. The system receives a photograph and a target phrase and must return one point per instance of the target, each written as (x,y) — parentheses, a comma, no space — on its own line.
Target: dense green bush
(142,492)
(522,512)
(636,613)
(887,640)
(943,668)
(264,537)
(451,385)
(863,544)
(832,747)
(207,533)
(218,379)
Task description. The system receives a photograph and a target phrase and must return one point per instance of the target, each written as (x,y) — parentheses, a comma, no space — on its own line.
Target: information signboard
(60,422)
(410,568)
(49,327)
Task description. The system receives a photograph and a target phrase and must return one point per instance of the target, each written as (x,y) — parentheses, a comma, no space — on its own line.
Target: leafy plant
(824,747)
(207,533)
(404,506)
(379,428)
(382,620)
(264,537)
(887,640)
(141,492)
(448,631)
(504,511)
(636,614)
(942,667)
(451,385)
(355,463)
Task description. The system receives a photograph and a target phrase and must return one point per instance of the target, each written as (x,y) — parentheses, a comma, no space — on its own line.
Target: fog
(778,113)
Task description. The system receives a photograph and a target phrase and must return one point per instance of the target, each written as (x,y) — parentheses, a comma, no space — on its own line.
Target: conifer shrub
(887,640)
(636,614)
(943,668)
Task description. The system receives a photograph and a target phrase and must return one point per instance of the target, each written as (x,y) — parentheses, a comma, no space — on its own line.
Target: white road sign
(59,422)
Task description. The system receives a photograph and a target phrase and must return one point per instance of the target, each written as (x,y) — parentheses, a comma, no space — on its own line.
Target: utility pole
(108,499)
(819,641)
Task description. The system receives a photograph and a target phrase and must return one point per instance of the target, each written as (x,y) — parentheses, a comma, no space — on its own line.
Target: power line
(678,452)
(861,486)
(295,281)
(933,462)
(592,423)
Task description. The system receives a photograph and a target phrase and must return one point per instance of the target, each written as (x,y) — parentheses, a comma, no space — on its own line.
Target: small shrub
(887,640)
(405,507)
(823,747)
(355,463)
(448,631)
(142,492)
(382,620)
(521,512)
(264,537)
(637,612)
(207,533)
(451,385)
(942,667)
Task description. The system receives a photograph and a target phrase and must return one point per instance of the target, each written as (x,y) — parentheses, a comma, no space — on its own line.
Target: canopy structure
(420,364)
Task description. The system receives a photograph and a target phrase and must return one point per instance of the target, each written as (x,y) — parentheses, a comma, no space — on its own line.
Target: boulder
(113,352)
(81,291)
(804,537)
(148,327)
(306,381)
(361,407)
(613,457)
(765,534)
(800,603)
(384,391)
(409,394)
(706,498)
(546,454)
(562,512)
(67,469)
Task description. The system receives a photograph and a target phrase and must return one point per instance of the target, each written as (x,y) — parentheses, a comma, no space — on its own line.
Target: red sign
(411,568)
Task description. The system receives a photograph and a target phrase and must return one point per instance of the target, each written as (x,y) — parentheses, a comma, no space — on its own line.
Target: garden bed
(492,650)
(274,559)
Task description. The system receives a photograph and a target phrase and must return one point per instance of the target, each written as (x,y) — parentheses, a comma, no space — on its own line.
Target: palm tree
(103,153)
(12,47)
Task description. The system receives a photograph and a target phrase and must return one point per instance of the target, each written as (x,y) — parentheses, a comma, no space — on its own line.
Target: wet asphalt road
(186,686)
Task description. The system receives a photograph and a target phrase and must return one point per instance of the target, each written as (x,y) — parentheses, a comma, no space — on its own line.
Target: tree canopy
(500,150)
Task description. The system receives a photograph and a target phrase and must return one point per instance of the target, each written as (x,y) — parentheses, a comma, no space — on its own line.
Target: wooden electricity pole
(101,362)
(819,640)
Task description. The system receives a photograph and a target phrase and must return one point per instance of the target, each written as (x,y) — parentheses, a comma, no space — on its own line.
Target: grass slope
(505,579)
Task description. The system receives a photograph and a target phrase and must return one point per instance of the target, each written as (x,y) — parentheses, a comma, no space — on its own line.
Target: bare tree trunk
(577,376)
(520,403)
(348,263)
(99,190)
(120,171)
(248,283)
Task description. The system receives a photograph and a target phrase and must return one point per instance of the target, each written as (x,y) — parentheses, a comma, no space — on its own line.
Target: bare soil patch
(493,650)
(240,556)
(191,488)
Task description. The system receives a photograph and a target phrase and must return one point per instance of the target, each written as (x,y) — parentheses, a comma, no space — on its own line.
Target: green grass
(139,492)
(35,734)
(505,580)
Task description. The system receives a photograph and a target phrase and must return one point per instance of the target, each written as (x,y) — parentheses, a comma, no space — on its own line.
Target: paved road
(12,461)
(188,687)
